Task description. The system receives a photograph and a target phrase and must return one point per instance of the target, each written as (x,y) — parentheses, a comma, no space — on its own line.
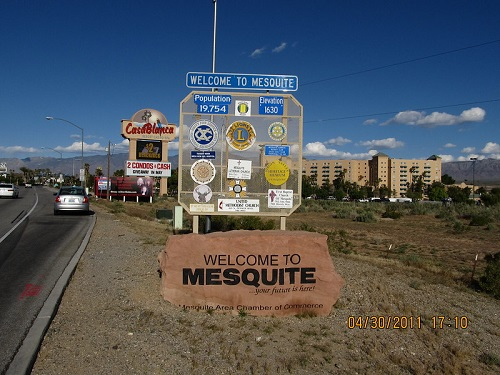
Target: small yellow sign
(277,172)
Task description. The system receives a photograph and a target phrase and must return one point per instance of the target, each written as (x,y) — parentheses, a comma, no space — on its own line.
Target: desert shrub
(117,207)
(490,281)
(304,227)
(490,359)
(227,223)
(480,219)
(412,260)
(458,226)
(392,212)
(447,213)
(345,211)
(338,241)
(425,208)
(366,216)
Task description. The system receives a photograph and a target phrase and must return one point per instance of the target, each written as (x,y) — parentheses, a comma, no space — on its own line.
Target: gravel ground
(112,320)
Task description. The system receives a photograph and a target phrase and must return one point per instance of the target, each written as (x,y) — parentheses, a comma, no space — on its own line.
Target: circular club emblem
(277,172)
(240,135)
(202,194)
(203,134)
(277,131)
(202,172)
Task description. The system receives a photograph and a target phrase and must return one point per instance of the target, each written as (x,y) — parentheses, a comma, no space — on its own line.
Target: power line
(401,63)
(395,112)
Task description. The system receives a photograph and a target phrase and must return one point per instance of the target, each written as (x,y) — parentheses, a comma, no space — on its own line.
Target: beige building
(381,170)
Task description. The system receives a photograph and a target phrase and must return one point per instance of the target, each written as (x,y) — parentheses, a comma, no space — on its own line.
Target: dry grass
(415,266)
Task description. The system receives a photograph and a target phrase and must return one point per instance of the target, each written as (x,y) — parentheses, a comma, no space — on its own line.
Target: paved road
(35,249)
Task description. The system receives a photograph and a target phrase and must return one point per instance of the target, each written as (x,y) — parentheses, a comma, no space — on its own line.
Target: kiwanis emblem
(203,134)
(240,135)
(277,131)
(202,172)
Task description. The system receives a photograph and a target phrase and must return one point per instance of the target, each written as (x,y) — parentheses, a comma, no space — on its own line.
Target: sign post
(240,153)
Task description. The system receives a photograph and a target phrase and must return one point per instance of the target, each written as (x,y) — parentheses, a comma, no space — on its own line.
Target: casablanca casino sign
(240,153)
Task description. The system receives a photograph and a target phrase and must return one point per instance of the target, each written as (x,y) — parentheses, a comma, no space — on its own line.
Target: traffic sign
(242,81)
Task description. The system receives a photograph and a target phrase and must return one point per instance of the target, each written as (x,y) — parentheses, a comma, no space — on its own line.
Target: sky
(410,79)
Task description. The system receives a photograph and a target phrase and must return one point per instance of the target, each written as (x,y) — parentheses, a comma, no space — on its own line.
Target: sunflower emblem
(237,188)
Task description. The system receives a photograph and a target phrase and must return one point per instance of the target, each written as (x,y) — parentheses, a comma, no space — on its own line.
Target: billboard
(125,187)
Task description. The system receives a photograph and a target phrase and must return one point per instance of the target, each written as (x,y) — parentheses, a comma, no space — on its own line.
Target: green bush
(227,223)
(480,219)
(392,212)
(490,281)
(366,217)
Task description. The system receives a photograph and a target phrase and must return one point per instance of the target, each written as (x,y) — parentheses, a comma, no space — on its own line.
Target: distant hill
(68,166)
(486,171)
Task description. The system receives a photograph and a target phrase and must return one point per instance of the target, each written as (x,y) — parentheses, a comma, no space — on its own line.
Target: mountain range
(486,171)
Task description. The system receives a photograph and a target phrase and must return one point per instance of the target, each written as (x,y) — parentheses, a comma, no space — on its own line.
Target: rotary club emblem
(240,135)
(277,131)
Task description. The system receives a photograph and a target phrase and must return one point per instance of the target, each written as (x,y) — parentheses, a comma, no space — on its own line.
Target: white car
(8,190)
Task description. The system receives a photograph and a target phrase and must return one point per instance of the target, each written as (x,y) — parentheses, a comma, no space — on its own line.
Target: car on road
(28,185)
(9,190)
(71,198)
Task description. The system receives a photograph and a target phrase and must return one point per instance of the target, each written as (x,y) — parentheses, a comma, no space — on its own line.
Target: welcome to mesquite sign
(259,272)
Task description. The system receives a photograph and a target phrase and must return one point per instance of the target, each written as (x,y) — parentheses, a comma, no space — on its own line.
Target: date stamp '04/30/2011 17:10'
(406,322)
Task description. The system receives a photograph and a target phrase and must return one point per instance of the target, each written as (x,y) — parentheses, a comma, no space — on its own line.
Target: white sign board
(147,168)
(280,198)
(238,205)
(239,169)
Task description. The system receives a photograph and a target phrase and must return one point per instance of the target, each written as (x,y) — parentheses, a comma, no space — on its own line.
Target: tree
(458,194)
(492,198)
(173,181)
(437,191)
(447,180)
(308,187)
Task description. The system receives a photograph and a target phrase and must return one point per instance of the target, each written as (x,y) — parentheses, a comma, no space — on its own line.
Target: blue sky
(407,78)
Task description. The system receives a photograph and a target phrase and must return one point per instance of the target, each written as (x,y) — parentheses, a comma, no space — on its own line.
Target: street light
(473,175)
(76,126)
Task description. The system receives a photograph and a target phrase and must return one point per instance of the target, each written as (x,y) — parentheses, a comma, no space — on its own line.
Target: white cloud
(17,149)
(258,52)
(370,121)
(446,158)
(382,143)
(437,118)
(339,141)
(280,48)
(318,149)
(491,148)
(449,145)
(468,150)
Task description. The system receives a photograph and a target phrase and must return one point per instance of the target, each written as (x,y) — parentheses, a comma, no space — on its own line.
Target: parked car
(9,190)
(71,198)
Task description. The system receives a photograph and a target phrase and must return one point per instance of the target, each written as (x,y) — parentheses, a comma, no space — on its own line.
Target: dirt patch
(404,309)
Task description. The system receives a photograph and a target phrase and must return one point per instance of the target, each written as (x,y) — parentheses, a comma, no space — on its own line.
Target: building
(395,174)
